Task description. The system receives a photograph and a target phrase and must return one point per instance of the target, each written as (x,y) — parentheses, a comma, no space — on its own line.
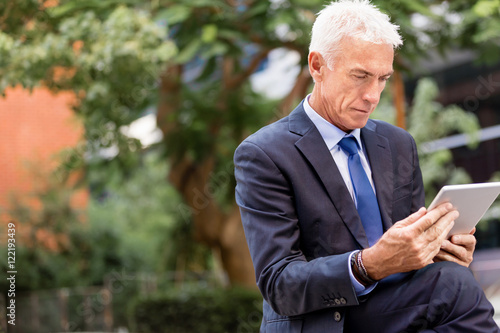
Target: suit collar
(314,149)
(299,122)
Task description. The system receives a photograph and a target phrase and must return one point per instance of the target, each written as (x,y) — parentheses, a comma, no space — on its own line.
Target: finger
(468,241)
(453,249)
(462,253)
(435,239)
(445,256)
(444,225)
(436,259)
(432,216)
(438,232)
(412,218)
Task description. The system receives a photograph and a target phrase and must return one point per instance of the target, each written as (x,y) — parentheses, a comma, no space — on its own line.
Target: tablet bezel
(471,200)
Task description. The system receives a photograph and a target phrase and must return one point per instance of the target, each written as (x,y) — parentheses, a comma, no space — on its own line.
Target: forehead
(356,54)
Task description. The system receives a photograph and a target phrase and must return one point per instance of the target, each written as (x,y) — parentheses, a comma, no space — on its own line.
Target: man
(329,255)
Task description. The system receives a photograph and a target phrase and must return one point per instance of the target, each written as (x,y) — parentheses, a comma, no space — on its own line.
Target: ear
(316,64)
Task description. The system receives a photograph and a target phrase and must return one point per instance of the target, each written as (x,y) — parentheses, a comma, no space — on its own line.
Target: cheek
(338,93)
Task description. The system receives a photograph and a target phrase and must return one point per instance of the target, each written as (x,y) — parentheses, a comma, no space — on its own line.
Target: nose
(372,92)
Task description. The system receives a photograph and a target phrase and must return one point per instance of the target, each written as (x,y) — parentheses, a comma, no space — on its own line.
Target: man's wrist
(359,270)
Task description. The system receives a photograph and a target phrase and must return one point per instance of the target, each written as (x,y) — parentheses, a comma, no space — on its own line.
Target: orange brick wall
(34,127)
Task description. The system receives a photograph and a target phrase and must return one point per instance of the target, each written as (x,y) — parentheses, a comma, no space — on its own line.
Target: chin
(359,124)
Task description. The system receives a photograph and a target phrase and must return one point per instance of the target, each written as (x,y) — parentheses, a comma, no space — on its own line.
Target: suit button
(337,301)
(343,301)
(337,316)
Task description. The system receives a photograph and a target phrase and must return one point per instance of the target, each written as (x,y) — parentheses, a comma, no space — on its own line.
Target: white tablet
(471,201)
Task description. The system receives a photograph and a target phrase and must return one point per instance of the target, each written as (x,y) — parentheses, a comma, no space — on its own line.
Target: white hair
(351,18)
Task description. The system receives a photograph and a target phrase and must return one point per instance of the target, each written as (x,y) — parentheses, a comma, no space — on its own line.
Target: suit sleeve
(288,282)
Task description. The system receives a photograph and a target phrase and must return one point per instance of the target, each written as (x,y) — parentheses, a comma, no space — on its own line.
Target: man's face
(348,94)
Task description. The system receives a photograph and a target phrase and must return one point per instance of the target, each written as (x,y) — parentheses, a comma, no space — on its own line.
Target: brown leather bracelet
(362,269)
(359,270)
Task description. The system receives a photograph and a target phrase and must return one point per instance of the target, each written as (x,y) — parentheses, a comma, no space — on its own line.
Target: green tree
(479,28)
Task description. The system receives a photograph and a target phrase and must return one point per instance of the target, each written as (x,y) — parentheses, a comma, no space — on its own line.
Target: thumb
(412,218)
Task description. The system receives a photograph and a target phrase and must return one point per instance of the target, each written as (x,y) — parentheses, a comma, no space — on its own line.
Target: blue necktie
(366,200)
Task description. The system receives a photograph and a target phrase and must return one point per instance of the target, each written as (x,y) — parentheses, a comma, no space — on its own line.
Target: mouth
(361,110)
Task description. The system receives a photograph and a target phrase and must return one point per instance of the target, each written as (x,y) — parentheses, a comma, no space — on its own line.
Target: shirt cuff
(358,287)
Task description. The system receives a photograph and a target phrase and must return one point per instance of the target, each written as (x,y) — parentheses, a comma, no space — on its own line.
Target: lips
(361,110)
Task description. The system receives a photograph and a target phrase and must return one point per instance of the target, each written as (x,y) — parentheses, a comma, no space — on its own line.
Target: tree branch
(227,70)
(241,77)
(298,91)
(170,88)
(8,8)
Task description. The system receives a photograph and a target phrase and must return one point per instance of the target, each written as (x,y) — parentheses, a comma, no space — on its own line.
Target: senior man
(332,203)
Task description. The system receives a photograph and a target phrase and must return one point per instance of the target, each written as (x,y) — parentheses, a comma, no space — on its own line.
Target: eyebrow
(362,71)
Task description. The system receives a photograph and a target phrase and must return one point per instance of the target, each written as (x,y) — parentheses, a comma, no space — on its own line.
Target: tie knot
(349,144)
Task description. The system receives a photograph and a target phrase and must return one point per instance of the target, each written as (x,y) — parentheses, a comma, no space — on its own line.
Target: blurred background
(118,123)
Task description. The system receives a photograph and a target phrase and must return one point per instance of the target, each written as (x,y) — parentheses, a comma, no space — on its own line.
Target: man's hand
(459,249)
(411,243)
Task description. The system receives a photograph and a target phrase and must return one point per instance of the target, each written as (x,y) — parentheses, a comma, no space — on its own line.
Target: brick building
(34,128)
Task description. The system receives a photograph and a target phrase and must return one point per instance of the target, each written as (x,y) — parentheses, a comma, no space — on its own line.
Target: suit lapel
(379,155)
(312,146)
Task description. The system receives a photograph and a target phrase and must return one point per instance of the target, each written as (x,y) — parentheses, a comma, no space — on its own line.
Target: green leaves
(189,51)
(174,14)
(73,6)
(439,121)
(479,28)
(430,121)
(209,33)
(421,8)
(486,8)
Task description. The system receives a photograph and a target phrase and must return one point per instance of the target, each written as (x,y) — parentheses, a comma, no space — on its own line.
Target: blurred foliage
(46,252)
(135,227)
(144,213)
(479,27)
(428,121)
(199,310)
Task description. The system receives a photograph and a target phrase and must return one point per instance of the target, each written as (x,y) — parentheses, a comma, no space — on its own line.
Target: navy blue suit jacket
(301,223)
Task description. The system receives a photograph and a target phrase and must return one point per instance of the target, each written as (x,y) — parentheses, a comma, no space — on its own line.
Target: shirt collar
(330,133)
